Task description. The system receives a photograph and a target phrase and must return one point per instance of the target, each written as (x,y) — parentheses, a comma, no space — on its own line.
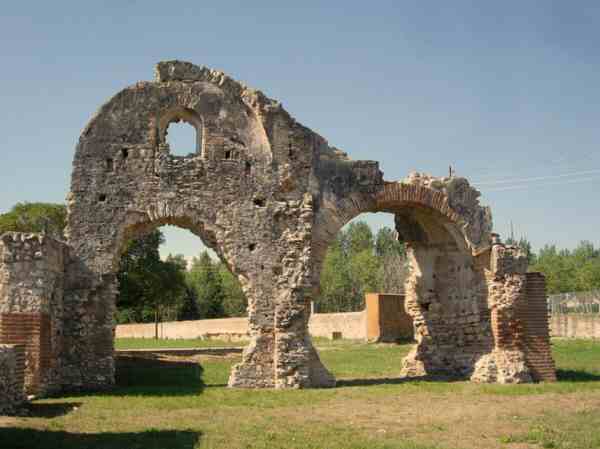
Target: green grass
(179,404)
(150,343)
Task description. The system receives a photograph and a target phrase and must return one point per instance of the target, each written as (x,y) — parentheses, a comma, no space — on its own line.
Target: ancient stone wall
(32,277)
(506,296)
(269,196)
(12,378)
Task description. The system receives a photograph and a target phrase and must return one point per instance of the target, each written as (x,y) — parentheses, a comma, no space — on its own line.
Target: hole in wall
(102,197)
(199,284)
(248,168)
(252,247)
(183,138)
(109,164)
(227,154)
(260,202)
(124,153)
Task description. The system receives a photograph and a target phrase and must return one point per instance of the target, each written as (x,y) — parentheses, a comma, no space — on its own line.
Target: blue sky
(507,92)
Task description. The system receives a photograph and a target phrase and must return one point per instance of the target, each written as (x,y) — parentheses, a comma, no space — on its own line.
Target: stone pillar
(506,283)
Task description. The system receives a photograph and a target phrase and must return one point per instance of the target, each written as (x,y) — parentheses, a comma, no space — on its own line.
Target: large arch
(269,195)
(449,241)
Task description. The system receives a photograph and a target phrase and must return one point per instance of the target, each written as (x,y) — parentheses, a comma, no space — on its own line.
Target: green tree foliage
(394,263)
(148,286)
(525,245)
(357,263)
(188,310)
(335,285)
(234,302)
(569,271)
(205,279)
(35,217)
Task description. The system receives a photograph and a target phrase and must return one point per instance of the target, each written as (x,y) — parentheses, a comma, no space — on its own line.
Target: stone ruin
(268,195)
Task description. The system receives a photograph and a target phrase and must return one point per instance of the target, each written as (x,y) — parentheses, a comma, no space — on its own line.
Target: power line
(538,178)
(528,186)
(562,161)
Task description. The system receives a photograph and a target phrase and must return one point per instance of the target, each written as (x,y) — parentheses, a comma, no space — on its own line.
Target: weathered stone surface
(268,195)
(12,371)
(32,278)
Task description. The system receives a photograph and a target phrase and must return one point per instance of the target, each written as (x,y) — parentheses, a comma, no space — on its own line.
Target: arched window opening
(183,139)
(182,130)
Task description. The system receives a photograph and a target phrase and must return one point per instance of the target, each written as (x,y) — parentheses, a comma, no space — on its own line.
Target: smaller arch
(188,116)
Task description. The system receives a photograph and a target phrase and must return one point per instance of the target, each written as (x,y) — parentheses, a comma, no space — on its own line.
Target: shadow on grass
(43,439)
(571,375)
(149,376)
(368,382)
(50,410)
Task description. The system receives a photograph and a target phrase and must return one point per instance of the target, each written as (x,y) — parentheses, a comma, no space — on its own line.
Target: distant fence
(575,303)
(575,315)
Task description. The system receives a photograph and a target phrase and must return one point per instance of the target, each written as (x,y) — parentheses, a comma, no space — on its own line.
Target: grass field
(181,403)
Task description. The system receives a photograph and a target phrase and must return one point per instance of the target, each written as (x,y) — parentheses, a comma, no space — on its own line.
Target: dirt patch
(455,420)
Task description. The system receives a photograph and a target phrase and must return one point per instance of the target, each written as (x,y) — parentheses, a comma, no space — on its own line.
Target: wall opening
(183,138)
(365,257)
(361,298)
(182,130)
(170,275)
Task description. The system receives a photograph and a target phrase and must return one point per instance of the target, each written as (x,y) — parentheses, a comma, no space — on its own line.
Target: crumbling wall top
(475,219)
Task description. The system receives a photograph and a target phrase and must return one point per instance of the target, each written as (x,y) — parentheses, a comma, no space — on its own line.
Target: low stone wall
(221,328)
(32,268)
(575,325)
(12,378)
(351,325)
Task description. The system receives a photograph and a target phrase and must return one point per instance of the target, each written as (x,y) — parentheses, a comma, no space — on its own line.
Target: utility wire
(562,161)
(538,178)
(529,186)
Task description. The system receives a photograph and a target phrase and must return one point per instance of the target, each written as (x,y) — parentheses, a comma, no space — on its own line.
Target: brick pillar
(33,332)
(538,351)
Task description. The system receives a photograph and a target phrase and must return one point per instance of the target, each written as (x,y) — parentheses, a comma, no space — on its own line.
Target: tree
(48,218)
(525,246)
(146,283)
(205,279)
(357,263)
(393,261)
(588,275)
(188,310)
(556,266)
(357,238)
(234,300)
(335,280)
(365,276)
